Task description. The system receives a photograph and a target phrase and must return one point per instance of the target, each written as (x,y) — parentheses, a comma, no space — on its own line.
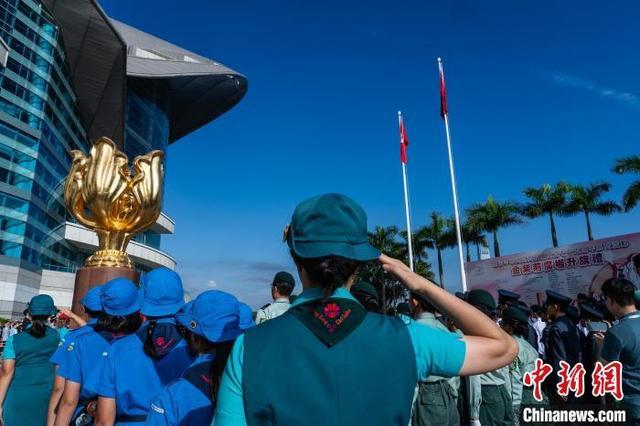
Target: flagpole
(406,200)
(445,116)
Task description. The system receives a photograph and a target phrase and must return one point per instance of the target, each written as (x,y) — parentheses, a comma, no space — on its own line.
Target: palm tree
(472,234)
(384,239)
(632,194)
(437,235)
(493,215)
(588,199)
(547,200)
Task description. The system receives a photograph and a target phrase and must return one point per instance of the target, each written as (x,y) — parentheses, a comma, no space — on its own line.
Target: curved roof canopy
(104,55)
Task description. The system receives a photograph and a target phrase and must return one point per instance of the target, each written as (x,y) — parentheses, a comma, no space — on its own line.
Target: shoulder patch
(157,409)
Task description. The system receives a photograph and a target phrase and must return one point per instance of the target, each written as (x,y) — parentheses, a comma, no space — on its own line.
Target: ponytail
(38,326)
(329,272)
(149,346)
(223,350)
(200,345)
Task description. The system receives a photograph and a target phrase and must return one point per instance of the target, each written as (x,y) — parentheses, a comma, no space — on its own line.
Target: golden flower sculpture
(103,194)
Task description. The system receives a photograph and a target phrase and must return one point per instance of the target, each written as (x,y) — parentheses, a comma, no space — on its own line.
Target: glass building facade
(39,125)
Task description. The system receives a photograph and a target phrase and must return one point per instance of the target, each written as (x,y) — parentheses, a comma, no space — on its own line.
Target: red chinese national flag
(404,142)
(443,93)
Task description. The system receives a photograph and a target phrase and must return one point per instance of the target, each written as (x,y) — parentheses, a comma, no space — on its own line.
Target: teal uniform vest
(28,395)
(291,376)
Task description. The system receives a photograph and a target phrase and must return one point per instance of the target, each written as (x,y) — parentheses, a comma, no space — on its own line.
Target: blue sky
(538,92)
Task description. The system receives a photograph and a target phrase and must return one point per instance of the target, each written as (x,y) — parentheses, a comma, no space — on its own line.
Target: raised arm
(487,346)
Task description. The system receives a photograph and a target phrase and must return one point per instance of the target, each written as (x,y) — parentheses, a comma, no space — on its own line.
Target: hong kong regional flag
(443,92)
(404,142)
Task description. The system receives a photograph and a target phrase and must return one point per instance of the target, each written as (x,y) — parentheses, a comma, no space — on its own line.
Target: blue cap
(120,297)
(162,293)
(246,316)
(91,300)
(214,315)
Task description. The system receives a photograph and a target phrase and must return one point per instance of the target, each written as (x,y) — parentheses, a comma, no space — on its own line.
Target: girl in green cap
(27,374)
(329,361)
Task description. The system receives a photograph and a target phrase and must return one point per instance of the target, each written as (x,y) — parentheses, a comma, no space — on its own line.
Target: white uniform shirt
(539,325)
(277,308)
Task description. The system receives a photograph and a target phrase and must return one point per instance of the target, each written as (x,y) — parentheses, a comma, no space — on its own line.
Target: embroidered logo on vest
(331,320)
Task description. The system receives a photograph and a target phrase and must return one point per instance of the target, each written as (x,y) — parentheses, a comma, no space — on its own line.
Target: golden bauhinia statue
(105,194)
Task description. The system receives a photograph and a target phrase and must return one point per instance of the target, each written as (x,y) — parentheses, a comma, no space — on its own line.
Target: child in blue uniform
(137,367)
(319,362)
(209,324)
(119,300)
(93,309)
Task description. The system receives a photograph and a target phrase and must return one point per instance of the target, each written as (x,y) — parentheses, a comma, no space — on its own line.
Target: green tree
(472,234)
(438,235)
(588,200)
(632,194)
(494,215)
(547,200)
(387,240)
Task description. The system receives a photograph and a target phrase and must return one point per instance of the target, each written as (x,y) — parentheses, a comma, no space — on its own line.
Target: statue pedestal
(89,277)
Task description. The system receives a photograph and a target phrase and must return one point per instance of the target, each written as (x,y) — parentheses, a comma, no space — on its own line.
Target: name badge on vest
(330,320)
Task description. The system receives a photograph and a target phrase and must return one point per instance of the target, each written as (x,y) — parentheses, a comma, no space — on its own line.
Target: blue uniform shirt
(133,379)
(436,352)
(68,339)
(184,402)
(81,360)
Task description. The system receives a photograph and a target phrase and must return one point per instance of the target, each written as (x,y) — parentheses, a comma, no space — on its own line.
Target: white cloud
(590,86)
(212,284)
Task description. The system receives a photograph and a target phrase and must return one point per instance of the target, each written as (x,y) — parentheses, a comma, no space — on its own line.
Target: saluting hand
(411,280)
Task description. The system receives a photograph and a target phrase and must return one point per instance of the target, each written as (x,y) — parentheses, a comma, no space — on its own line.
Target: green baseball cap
(284,277)
(481,297)
(514,313)
(42,304)
(330,224)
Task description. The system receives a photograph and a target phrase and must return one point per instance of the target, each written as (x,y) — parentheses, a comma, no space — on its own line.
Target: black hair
(636,260)
(329,272)
(369,302)
(198,344)
(38,325)
(562,306)
(621,290)
(283,288)
(424,304)
(92,314)
(126,324)
(518,327)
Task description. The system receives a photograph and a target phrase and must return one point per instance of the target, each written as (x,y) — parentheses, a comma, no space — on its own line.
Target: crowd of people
(141,355)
